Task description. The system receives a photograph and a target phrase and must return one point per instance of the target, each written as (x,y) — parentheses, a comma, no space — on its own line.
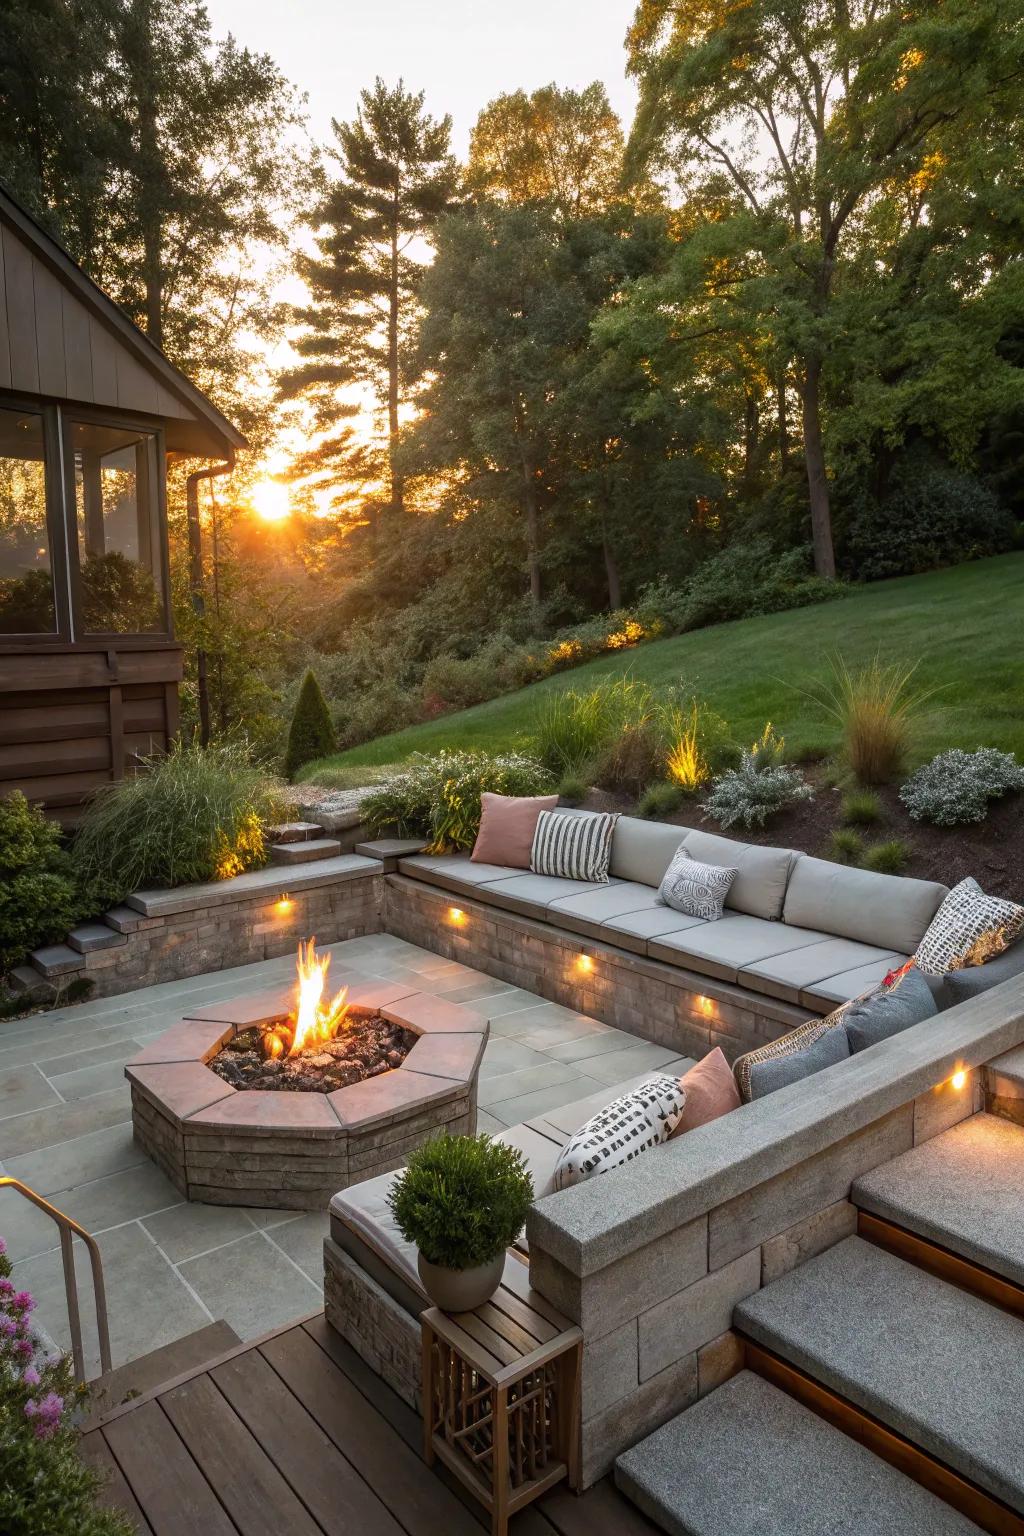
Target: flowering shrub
(759,788)
(45,1488)
(956,786)
(439,797)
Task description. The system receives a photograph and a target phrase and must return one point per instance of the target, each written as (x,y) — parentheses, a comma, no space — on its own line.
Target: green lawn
(964,628)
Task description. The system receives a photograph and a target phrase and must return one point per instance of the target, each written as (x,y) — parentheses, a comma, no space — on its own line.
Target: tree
(396,177)
(555,145)
(810,111)
(311,734)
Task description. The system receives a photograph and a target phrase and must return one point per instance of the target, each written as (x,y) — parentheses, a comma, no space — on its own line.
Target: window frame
(55,529)
(68,417)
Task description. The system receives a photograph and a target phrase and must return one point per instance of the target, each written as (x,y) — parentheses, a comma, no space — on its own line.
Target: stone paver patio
(171,1267)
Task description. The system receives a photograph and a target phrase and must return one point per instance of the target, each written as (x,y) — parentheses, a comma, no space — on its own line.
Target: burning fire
(315,1020)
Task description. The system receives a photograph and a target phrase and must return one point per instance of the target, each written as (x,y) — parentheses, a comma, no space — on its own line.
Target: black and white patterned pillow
(573,847)
(621,1131)
(968,929)
(697,890)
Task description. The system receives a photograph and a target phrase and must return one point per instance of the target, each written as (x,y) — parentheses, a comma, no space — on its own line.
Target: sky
(461,52)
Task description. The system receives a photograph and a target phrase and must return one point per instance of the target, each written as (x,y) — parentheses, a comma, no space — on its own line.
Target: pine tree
(396,177)
(311,734)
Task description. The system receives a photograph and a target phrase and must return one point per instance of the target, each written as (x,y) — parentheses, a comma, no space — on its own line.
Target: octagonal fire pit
(265,1101)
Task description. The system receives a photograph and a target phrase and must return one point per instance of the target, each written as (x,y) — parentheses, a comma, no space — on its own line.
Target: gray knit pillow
(695,889)
(968,929)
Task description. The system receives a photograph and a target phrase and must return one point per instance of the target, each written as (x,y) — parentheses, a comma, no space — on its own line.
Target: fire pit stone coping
(264,1148)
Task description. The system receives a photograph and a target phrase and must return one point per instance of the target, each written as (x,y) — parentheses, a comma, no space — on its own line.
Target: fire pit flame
(314,1021)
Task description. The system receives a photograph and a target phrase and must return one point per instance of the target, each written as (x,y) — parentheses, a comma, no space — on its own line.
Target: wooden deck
(292,1435)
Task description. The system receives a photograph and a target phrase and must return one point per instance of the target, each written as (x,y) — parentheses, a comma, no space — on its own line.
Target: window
(26,572)
(118,530)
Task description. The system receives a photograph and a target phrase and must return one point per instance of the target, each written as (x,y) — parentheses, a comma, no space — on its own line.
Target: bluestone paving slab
(303,1242)
(120,1051)
(618,1065)
(92,1156)
(24,1088)
(87,1082)
(963,1189)
(97,1206)
(511,1085)
(189,1229)
(486,1121)
(61,1123)
(934,1363)
(525,1106)
(749,1460)
(504,1055)
(252,1284)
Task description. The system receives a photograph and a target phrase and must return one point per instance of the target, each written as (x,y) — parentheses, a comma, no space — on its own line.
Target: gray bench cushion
(825,994)
(759,889)
(585,912)
(726,948)
(532,894)
(890,911)
(642,850)
(363,1210)
(633,930)
(454,871)
(789,975)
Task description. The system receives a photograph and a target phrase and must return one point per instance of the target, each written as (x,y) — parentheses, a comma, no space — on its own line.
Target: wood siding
(51,344)
(71,720)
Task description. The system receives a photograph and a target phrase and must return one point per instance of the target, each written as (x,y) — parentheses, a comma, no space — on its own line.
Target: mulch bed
(992,850)
(365,1048)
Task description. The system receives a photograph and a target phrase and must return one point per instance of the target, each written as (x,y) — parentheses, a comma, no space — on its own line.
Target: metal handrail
(69,1229)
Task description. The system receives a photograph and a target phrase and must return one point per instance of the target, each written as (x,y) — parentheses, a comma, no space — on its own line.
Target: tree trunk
(530,507)
(751,424)
(817,480)
(611,567)
(397,487)
(780,396)
(148,176)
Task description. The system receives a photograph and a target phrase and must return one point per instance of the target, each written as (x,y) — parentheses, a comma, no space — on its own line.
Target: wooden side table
(501,1396)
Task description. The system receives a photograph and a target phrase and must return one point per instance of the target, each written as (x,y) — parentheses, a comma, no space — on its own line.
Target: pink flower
(23,1347)
(22,1302)
(6,1288)
(30,1376)
(8,1327)
(45,1414)
(3,1246)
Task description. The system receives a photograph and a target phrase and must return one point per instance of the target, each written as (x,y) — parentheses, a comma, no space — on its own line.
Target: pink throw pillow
(507,825)
(710,1090)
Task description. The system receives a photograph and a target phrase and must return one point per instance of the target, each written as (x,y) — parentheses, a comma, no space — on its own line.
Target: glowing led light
(284,905)
(585,963)
(959,1078)
(457,915)
(706,1007)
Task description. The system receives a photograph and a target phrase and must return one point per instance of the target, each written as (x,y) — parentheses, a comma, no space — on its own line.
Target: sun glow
(271,500)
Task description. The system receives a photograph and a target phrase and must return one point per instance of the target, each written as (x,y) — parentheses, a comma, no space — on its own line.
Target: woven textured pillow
(624,1129)
(573,847)
(752,1082)
(968,929)
(695,889)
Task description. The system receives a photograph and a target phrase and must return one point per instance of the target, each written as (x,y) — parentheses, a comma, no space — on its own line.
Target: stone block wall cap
(429,1015)
(179,1089)
(253,884)
(456,1057)
(188,1041)
(256,1112)
(377,1100)
(250,1009)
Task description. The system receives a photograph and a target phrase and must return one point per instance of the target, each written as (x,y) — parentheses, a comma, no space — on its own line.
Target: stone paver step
(296,832)
(56,960)
(159,1366)
(937,1365)
(1004,1085)
(750,1460)
(962,1189)
(309,852)
(88,937)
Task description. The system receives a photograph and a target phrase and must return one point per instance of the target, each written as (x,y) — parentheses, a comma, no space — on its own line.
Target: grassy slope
(964,627)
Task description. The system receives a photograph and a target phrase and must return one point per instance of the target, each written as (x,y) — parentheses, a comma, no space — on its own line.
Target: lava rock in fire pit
(365,1047)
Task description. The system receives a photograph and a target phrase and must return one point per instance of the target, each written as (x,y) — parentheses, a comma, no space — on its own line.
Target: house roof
(98,350)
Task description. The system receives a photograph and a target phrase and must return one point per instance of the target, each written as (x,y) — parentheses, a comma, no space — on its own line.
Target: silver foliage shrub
(956,786)
(755,791)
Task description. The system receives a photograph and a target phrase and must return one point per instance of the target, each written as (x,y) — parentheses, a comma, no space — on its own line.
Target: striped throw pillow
(573,847)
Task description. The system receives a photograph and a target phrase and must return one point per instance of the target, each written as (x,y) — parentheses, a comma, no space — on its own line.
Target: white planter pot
(460,1290)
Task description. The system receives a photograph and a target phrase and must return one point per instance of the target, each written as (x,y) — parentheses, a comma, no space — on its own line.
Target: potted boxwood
(462,1200)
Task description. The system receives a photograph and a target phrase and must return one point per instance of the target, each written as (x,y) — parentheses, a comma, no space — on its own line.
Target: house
(90,414)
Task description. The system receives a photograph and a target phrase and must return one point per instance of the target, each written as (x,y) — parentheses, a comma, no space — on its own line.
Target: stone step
(91,936)
(296,832)
(159,1366)
(305,853)
(25,981)
(939,1366)
(749,1460)
(962,1190)
(56,960)
(1004,1085)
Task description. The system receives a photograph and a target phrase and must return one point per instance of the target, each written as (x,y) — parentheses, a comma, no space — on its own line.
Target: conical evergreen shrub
(311,733)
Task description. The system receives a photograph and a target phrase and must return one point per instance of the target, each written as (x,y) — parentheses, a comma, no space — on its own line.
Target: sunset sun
(271,500)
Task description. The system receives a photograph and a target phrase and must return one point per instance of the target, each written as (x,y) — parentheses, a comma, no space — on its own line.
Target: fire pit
(285,1097)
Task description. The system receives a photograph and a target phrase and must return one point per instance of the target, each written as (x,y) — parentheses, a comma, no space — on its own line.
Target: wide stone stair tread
(296,832)
(936,1364)
(306,852)
(161,1365)
(749,1460)
(963,1190)
(56,960)
(91,936)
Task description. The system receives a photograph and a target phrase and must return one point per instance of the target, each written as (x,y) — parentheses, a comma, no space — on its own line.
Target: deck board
(294,1433)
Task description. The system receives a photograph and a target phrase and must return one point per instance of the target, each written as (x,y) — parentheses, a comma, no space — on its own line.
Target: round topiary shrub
(38,897)
(311,733)
(462,1199)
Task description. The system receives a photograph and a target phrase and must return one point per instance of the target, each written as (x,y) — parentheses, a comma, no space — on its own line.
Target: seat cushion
(586,912)
(789,975)
(889,911)
(890,1011)
(958,986)
(791,1057)
(454,871)
(642,850)
(634,930)
(725,948)
(540,1147)
(363,1209)
(759,889)
(532,895)
(825,994)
